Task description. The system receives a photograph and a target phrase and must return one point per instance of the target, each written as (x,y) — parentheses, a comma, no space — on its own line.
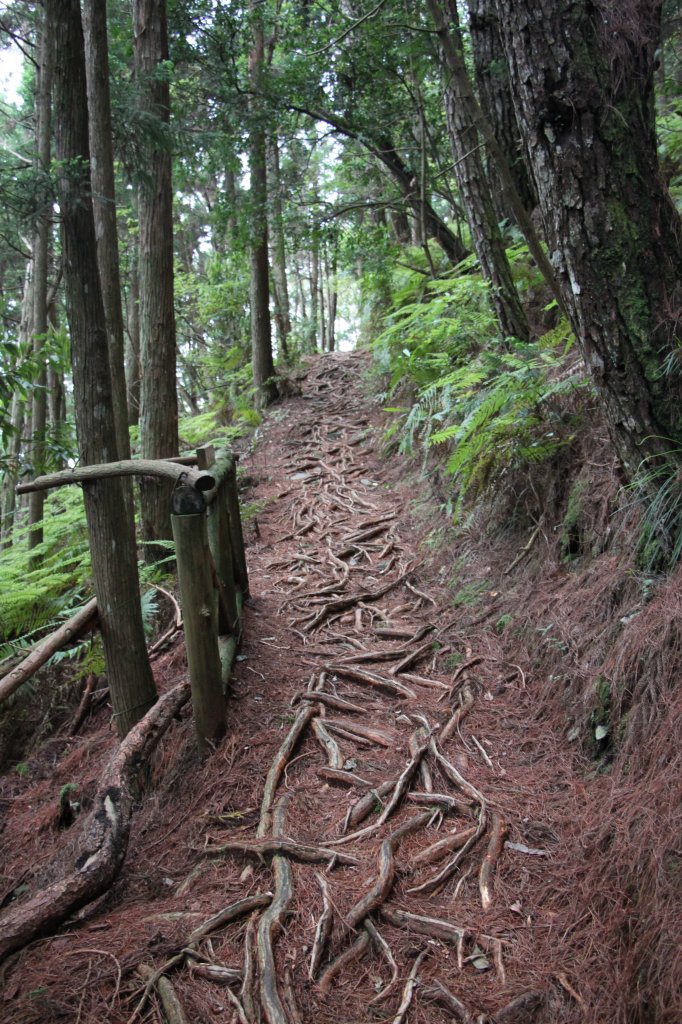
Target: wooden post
(221,548)
(236,536)
(220,543)
(198,598)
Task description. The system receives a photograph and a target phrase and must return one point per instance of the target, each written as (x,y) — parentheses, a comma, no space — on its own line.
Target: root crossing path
(372,840)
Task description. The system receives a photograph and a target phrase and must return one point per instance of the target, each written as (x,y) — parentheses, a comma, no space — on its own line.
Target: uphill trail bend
(379,836)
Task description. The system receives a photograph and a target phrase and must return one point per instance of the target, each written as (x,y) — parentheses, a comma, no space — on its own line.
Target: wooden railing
(211,563)
(213,579)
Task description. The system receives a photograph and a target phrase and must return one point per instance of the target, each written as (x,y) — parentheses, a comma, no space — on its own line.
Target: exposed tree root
(408,991)
(105,839)
(271,923)
(371,679)
(288,847)
(486,875)
(322,930)
(386,875)
(277,767)
(438,992)
(343,960)
(466,703)
(232,913)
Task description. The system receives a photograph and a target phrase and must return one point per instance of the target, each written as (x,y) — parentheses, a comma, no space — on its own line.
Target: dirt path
(383,779)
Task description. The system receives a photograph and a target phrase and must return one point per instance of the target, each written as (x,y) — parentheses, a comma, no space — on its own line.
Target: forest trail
(384,778)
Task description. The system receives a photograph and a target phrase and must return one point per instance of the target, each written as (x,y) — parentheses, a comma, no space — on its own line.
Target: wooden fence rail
(211,563)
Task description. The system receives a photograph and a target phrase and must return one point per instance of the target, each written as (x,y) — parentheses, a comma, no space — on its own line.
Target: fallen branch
(175,625)
(71,630)
(524,551)
(105,840)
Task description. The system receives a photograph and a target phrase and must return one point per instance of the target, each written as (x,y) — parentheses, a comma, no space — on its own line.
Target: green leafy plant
(492,403)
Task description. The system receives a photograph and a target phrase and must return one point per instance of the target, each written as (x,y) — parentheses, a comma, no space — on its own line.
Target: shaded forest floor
(472,824)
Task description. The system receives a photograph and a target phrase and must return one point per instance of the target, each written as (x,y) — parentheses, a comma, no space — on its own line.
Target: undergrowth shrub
(493,404)
(30,598)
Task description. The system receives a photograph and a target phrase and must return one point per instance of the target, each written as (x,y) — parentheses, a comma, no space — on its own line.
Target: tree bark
(43,651)
(112,543)
(133,369)
(104,206)
(582,75)
(494,90)
(458,71)
(41,246)
(261,331)
(158,400)
(17,418)
(279,260)
(104,842)
(474,189)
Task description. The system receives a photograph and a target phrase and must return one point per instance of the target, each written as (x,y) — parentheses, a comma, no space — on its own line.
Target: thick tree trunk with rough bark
(474,189)
(114,561)
(582,75)
(158,402)
(457,68)
(494,90)
(261,328)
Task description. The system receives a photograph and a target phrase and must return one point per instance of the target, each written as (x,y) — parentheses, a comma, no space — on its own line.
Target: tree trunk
(104,206)
(332,301)
(112,542)
(476,196)
(314,325)
(279,260)
(457,69)
(17,417)
(133,369)
(158,400)
(261,332)
(494,90)
(41,247)
(582,75)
